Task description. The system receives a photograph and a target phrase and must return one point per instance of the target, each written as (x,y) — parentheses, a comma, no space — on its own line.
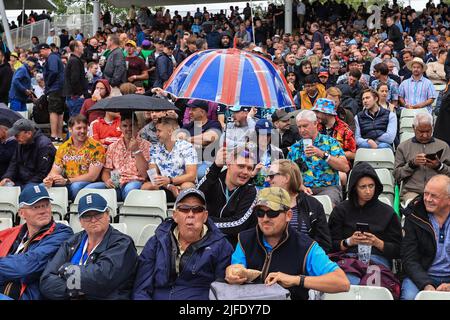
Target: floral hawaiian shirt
(120,159)
(173,164)
(75,162)
(317,172)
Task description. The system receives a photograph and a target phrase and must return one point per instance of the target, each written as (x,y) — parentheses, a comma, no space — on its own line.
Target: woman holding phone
(364,220)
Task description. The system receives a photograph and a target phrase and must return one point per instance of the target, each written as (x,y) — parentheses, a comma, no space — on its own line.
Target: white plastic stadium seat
(60,201)
(143,207)
(385,200)
(5,223)
(411,113)
(122,227)
(377,158)
(326,203)
(146,233)
(9,202)
(439,87)
(387,180)
(406,125)
(360,293)
(110,197)
(433,295)
(406,135)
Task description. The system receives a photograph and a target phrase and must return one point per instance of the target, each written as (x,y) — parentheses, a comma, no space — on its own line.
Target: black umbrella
(133,102)
(8,116)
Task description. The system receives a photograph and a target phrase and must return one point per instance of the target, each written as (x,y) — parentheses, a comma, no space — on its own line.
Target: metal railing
(22,36)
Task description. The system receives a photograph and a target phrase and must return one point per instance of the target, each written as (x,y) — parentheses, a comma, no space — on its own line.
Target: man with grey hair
(420,158)
(319,157)
(424,250)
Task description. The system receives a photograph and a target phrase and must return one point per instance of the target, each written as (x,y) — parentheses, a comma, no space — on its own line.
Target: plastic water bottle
(115,177)
(364,252)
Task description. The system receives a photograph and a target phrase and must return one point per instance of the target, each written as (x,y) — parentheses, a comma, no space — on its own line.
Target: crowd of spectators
(243,186)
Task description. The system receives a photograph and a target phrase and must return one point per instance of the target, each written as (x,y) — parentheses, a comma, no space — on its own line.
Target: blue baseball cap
(239,108)
(264,124)
(91,202)
(190,192)
(32,194)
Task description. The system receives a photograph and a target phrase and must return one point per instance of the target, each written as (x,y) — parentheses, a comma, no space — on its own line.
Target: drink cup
(364,252)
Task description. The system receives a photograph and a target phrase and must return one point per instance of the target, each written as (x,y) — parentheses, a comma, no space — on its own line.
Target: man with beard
(237,133)
(78,161)
(225,41)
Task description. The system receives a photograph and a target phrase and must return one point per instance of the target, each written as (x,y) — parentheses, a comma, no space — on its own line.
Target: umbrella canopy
(133,102)
(231,77)
(29,4)
(8,116)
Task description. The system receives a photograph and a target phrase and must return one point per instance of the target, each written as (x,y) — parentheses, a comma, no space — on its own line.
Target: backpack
(250,291)
(40,112)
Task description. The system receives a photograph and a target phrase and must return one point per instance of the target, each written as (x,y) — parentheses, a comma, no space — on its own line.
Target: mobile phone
(362,227)
(431,156)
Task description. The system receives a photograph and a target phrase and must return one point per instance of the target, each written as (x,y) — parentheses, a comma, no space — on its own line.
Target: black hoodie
(382,220)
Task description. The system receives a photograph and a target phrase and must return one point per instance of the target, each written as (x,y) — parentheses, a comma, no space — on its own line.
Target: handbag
(251,291)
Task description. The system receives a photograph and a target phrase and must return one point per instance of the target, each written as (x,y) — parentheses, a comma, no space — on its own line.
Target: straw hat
(419,61)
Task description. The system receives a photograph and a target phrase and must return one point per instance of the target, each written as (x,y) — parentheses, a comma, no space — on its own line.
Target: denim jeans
(354,280)
(410,290)
(75,187)
(74,105)
(122,192)
(381,145)
(17,105)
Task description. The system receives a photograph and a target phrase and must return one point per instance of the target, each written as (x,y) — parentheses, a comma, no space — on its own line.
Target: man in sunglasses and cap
(98,263)
(186,254)
(284,256)
(26,249)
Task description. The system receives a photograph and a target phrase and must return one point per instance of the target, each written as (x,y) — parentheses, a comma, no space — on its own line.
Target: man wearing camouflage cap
(283,255)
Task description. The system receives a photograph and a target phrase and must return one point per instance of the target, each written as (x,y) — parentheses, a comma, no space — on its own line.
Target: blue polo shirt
(317,261)
(441,263)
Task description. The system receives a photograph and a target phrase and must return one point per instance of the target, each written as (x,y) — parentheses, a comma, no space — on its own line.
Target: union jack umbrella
(231,77)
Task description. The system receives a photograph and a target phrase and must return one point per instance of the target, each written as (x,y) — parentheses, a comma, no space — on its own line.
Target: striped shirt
(417,91)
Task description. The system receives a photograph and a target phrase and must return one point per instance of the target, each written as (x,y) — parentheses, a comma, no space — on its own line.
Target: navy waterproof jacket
(202,263)
(107,275)
(53,73)
(20,82)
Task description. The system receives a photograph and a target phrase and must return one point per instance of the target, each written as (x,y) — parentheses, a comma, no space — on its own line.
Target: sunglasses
(260,213)
(271,175)
(187,209)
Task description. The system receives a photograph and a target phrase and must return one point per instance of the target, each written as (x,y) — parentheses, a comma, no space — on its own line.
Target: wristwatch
(326,156)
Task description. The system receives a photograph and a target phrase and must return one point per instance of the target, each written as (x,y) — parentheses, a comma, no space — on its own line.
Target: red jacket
(101,130)
(9,236)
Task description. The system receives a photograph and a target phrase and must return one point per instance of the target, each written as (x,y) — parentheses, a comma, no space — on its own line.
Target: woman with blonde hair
(308,215)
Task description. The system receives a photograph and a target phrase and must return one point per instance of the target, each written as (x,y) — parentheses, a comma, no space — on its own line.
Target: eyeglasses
(271,175)
(260,213)
(92,216)
(187,209)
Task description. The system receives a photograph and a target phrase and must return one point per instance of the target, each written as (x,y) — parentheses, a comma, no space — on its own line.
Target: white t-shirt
(301,8)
